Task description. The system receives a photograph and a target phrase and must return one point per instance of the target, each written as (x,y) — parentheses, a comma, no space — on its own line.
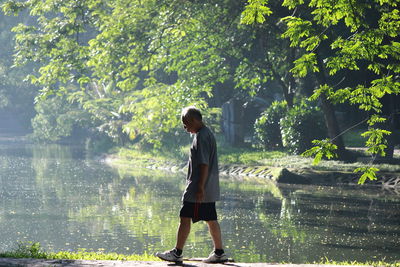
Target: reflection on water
(53,195)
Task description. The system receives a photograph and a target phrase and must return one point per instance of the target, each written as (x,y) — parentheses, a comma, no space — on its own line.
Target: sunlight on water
(53,195)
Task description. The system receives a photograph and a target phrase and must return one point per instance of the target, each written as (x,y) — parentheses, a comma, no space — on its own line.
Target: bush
(267,132)
(301,125)
(56,119)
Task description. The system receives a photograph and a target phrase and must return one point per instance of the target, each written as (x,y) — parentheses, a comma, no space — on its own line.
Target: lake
(60,197)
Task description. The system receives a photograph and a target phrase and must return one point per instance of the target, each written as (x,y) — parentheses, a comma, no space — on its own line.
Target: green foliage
(301,125)
(356,263)
(175,153)
(157,112)
(305,64)
(99,104)
(376,142)
(367,98)
(301,33)
(255,12)
(267,131)
(56,119)
(321,149)
(34,250)
(367,173)
(28,250)
(245,157)
(136,63)
(353,34)
(212,118)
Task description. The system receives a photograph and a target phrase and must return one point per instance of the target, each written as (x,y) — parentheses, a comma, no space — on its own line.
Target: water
(54,195)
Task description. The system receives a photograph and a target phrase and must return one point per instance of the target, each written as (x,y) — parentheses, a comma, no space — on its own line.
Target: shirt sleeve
(203,150)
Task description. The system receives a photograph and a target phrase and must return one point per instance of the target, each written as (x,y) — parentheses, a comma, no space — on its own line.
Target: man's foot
(170,256)
(214,258)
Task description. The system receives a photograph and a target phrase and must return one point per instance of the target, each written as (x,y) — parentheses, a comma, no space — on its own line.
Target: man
(202,189)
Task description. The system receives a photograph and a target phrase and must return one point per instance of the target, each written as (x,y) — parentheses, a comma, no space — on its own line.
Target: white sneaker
(214,258)
(170,256)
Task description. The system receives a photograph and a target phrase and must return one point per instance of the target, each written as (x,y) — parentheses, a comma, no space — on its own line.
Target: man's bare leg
(183,232)
(215,231)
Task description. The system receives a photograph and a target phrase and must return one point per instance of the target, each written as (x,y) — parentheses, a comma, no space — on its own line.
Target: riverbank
(107,263)
(276,166)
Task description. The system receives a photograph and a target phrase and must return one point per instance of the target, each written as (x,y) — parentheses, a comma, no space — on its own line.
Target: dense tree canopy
(136,63)
(131,65)
(337,40)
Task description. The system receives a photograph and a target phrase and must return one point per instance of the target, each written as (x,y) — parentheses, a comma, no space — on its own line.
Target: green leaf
(321,148)
(305,64)
(83,80)
(255,11)
(367,173)
(291,4)
(376,142)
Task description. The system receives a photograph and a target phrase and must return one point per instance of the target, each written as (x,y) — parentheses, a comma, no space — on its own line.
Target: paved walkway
(97,263)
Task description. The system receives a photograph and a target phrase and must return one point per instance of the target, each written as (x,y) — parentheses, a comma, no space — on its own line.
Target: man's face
(189,125)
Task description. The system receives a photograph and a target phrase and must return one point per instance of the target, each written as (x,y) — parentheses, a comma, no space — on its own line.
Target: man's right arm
(202,182)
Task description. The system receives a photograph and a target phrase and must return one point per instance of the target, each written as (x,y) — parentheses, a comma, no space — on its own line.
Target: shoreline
(281,175)
(12,262)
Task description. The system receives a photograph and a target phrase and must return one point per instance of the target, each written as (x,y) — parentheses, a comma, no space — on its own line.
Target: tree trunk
(292,86)
(232,122)
(333,127)
(288,92)
(390,109)
(330,116)
(289,86)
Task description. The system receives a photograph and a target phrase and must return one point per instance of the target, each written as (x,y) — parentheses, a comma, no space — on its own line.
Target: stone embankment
(388,181)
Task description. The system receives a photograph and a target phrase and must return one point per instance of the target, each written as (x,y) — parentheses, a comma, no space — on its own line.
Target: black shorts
(199,211)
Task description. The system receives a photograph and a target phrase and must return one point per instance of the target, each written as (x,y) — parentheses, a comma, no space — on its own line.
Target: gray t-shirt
(203,151)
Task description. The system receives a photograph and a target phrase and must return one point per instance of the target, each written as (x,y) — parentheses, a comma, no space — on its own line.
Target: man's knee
(186,220)
(212,223)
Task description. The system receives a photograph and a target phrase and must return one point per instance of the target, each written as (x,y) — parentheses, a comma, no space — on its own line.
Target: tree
(337,40)
(132,65)
(270,52)
(136,63)
(255,8)
(113,53)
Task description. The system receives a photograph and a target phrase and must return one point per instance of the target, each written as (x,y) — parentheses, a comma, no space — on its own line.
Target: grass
(170,154)
(177,155)
(34,250)
(299,162)
(352,263)
(246,156)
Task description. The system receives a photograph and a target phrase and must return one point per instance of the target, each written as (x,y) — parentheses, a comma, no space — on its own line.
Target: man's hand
(200,195)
